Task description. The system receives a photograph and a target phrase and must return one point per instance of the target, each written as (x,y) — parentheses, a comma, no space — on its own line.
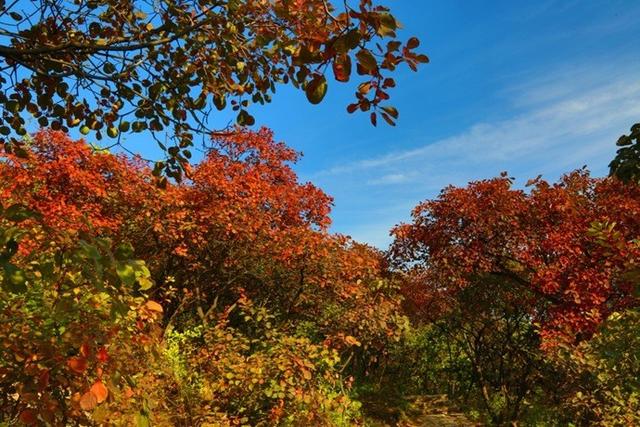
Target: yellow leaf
(351,340)
(153,306)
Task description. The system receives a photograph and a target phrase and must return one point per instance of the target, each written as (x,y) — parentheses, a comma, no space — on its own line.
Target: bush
(241,370)
(605,373)
(74,321)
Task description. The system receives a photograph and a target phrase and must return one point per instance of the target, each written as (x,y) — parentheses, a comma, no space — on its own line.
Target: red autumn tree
(243,224)
(73,186)
(540,243)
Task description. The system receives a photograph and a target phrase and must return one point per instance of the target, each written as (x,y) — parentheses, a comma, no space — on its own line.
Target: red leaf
(102,355)
(342,68)
(413,43)
(77,364)
(28,417)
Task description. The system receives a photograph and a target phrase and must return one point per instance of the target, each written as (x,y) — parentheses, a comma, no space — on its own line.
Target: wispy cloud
(563,121)
(392,178)
(582,119)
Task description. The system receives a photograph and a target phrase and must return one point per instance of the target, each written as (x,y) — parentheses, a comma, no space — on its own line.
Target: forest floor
(418,411)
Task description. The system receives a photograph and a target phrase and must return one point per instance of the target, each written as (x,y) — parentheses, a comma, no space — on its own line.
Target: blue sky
(530,87)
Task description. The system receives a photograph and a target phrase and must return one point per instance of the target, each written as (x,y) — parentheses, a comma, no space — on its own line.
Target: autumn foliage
(117,66)
(540,242)
(516,291)
(224,299)
(240,234)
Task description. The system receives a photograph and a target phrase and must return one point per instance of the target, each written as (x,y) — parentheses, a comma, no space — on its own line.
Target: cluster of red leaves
(243,222)
(73,186)
(538,242)
(245,188)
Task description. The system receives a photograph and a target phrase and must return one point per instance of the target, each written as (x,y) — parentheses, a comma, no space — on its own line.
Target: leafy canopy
(626,164)
(113,66)
(255,311)
(565,243)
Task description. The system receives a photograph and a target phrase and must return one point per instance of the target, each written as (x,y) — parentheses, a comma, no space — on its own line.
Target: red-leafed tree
(500,276)
(243,224)
(73,186)
(539,242)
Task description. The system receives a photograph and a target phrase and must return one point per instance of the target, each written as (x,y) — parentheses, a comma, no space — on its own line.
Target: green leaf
(11,248)
(108,68)
(367,60)
(90,251)
(347,42)
(18,213)
(145,283)
(20,152)
(14,279)
(47,269)
(126,273)
(220,102)
(124,252)
(387,25)
(245,119)
(143,275)
(112,132)
(142,420)
(124,126)
(316,89)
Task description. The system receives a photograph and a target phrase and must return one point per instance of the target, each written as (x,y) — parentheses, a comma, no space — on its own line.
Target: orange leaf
(85,350)
(100,391)
(153,306)
(128,392)
(351,340)
(75,398)
(77,364)
(88,401)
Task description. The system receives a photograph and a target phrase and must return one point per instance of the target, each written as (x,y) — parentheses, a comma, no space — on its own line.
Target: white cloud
(392,178)
(586,116)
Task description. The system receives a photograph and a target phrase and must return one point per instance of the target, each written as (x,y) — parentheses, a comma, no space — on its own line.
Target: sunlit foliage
(239,274)
(109,67)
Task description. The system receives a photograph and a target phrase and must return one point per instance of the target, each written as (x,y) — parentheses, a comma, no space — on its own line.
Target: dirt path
(433,411)
(427,411)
